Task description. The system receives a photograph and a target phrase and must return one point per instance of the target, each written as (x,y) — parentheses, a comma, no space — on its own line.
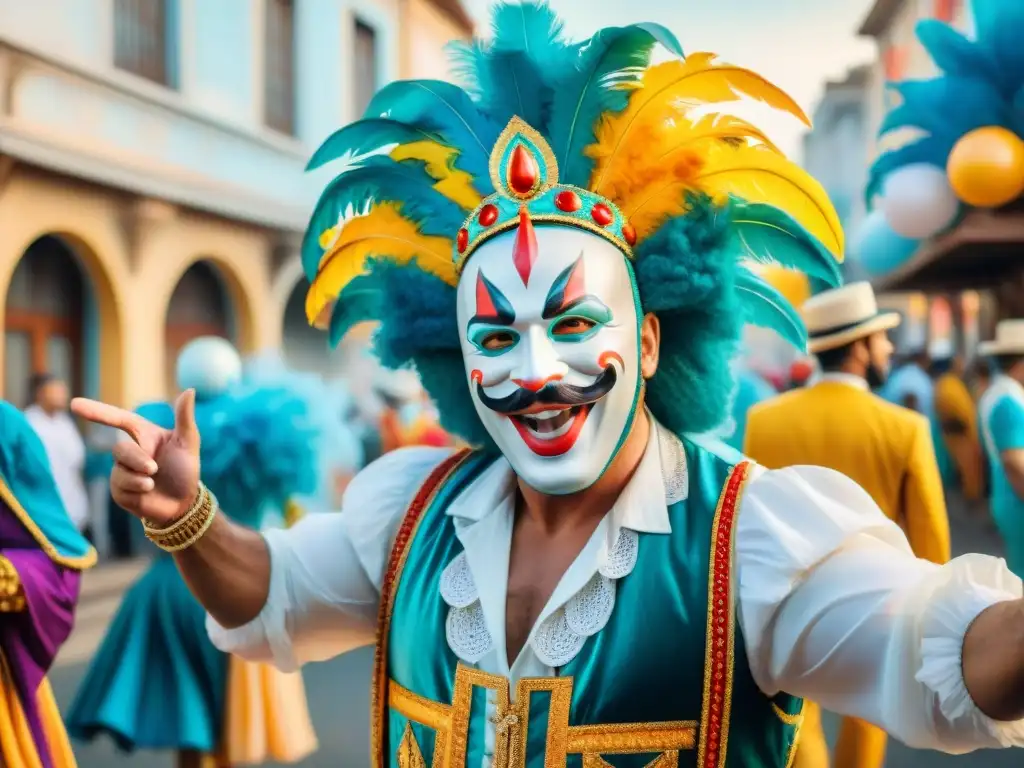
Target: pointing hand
(156,473)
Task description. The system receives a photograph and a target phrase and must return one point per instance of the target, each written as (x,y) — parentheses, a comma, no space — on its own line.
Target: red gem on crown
(568,201)
(462,240)
(523,173)
(602,214)
(629,234)
(488,215)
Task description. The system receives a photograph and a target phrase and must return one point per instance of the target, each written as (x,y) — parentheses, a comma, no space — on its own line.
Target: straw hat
(843,315)
(1009,339)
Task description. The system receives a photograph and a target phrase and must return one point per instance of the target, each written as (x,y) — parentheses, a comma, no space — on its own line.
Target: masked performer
(157,682)
(557,252)
(42,555)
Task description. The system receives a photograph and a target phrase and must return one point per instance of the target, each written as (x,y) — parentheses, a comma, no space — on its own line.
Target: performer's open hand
(156,473)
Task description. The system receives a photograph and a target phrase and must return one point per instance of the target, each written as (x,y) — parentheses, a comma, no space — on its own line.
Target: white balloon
(918,201)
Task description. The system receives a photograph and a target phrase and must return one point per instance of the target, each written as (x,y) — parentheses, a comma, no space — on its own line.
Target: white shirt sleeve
(835,608)
(326,571)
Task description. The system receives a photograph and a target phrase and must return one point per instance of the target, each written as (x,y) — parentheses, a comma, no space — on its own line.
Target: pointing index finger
(109,415)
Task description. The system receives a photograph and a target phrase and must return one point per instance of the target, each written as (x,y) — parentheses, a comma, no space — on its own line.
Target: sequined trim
(409,753)
(512,718)
(379,683)
(667,760)
(88,560)
(720,637)
(797,721)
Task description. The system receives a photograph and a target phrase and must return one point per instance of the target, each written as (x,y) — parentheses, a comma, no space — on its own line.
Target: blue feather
(1017,112)
(953,53)
(765,307)
(930,149)
(365,136)
(406,184)
(505,84)
(769,235)
(436,106)
(998,24)
(611,58)
(929,105)
(359,301)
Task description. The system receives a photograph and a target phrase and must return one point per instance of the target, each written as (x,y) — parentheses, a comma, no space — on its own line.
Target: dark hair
(834,359)
(37,382)
(1005,362)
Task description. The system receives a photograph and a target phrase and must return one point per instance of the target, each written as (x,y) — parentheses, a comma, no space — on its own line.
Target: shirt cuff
(265,638)
(969,585)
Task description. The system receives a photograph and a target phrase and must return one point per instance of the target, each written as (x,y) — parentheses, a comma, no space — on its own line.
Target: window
(279,65)
(141,39)
(364,67)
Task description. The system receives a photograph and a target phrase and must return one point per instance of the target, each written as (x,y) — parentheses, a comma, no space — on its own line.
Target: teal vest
(664,684)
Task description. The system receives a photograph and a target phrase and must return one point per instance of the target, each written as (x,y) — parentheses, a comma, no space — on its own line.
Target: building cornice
(880,17)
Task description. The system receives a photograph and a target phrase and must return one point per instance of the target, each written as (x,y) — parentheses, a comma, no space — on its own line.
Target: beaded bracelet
(189,528)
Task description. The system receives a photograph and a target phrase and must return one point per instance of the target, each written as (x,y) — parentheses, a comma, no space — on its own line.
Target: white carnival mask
(551,351)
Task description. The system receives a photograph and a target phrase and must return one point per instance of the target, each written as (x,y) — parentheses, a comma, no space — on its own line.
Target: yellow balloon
(986,167)
(790,283)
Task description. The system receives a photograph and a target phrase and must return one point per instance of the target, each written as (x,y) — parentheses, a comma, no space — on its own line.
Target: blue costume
(157,682)
(1001,415)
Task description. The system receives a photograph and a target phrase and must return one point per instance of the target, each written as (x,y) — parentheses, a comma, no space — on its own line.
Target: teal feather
(512,74)
(406,184)
(769,235)
(997,26)
(358,302)
(365,136)
(929,105)
(610,59)
(930,150)
(436,106)
(765,307)
(953,53)
(504,84)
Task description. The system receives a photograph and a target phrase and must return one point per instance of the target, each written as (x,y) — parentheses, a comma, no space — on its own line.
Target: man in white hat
(1001,414)
(887,449)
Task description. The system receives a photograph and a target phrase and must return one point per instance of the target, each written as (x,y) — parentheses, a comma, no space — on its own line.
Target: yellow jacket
(883,447)
(953,402)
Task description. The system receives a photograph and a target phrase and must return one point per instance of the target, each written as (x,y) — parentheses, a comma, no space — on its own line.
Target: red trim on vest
(406,532)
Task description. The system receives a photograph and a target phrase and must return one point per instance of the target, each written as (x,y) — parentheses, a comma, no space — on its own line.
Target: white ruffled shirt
(833,605)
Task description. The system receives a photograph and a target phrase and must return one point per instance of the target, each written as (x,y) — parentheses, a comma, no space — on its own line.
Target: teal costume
(751,389)
(688,693)
(157,682)
(1001,413)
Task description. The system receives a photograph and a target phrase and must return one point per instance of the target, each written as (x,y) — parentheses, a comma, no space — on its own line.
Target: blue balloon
(878,249)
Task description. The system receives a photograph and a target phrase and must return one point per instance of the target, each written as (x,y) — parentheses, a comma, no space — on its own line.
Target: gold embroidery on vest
(511,722)
(667,760)
(797,722)
(409,754)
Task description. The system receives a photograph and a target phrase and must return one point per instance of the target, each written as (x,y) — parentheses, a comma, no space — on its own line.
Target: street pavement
(339,690)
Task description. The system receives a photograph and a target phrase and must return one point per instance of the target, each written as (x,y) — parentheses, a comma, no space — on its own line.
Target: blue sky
(798,44)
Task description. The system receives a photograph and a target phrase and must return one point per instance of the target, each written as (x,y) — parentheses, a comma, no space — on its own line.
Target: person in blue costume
(560,249)
(751,389)
(1001,417)
(157,682)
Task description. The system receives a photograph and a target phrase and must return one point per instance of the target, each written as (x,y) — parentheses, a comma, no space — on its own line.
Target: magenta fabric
(30,639)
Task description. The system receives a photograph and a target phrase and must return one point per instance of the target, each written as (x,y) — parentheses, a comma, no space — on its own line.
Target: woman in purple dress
(42,555)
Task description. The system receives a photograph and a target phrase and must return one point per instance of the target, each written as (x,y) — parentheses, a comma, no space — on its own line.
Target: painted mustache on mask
(554,393)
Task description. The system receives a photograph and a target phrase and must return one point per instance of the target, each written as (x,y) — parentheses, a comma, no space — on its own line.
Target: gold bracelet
(10,582)
(179,522)
(189,529)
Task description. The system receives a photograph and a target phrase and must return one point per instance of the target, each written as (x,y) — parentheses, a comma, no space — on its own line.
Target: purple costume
(30,639)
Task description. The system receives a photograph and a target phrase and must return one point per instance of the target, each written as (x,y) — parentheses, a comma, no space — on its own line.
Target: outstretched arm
(838,610)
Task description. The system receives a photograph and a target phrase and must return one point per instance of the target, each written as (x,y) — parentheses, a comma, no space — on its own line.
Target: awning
(984,250)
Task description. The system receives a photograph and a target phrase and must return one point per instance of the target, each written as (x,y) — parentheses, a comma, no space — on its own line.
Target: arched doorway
(49,321)
(199,306)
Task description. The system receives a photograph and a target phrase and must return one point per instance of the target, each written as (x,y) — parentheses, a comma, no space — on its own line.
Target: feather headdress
(584,134)
(981,83)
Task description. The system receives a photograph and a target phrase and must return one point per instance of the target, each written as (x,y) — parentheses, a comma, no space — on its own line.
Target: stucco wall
(132,265)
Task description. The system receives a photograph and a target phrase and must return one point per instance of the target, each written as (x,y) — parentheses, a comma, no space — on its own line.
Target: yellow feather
(672,90)
(456,185)
(756,175)
(382,232)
